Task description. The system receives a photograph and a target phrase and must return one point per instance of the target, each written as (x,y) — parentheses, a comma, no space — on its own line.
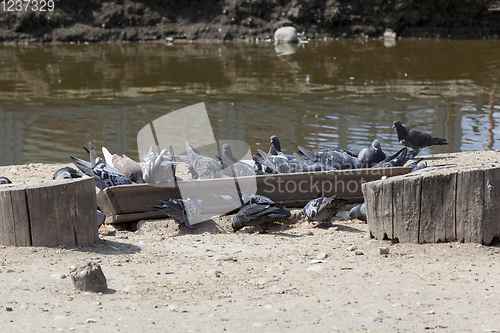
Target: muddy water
(54,98)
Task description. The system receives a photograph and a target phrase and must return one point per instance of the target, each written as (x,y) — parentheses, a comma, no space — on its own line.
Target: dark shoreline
(170,20)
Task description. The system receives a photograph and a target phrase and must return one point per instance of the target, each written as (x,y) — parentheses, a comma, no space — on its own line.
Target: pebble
(359,253)
(352,248)
(126,290)
(91,320)
(322,256)
(307,233)
(217,273)
(88,276)
(225,258)
(316,268)
(59,276)
(316,261)
(173,307)
(383,250)
(276,289)
(8,308)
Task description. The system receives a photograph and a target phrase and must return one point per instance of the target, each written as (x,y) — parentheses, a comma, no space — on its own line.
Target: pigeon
(100,218)
(323,210)
(68,173)
(202,166)
(415,139)
(372,155)
(358,212)
(257,214)
(281,164)
(104,174)
(4,181)
(415,167)
(181,210)
(276,148)
(159,168)
(332,158)
(398,159)
(127,166)
(233,167)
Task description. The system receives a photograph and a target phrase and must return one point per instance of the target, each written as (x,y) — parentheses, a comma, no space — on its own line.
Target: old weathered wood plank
(469,211)
(85,224)
(22,235)
(491,218)
(406,208)
(65,215)
(437,213)
(42,215)
(379,213)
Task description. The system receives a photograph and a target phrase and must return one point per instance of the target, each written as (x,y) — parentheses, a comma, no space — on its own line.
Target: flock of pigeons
(255,210)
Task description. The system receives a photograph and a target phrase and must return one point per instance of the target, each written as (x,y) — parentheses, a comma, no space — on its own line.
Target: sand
(162,277)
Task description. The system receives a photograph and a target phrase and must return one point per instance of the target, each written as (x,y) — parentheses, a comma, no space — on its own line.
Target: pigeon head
(396,124)
(226,149)
(376,144)
(276,142)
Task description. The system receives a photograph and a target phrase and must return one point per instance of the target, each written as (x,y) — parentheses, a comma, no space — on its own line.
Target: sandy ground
(165,278)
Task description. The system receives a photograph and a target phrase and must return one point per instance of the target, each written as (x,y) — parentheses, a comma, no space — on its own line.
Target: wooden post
(50,213)
(436,205)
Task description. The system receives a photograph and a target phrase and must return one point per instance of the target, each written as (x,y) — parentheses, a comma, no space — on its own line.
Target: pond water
(55,98)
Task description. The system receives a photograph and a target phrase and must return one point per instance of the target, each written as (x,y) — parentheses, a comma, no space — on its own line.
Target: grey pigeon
(4,181)
(358,212)
(232,166)
(104,174)
(398,159)
(127,166)
(323,210)
(275,148)
(415,167)
(202,166)
(68,173)
(257,214)
(281,164)
(332,158)
(372,155)
(181,210)
(100,218)
(159,168)
(415,139)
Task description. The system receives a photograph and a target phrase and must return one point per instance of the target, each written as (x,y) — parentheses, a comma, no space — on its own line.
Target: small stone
(431,312)
(9,309)
(358,253)
(316,261)
(352,248)
(59,276)
(397,305)
(276,289)
(308,233)
(126,290)
(173,307)
(88,276)
(91,320)
(383,250)
(217,273)
(316,268)
(322,256)
(225,258)
(169,272)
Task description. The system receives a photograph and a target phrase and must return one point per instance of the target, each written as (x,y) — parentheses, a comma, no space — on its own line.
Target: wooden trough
(50,213)
(459,203)
(135,202)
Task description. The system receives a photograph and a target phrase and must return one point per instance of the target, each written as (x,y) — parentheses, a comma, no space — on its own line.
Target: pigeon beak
(393,126)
